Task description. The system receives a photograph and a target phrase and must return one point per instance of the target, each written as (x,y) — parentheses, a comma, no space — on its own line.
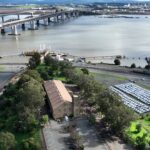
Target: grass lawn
(41,66)
(1,68)
(108,78)
(63,79)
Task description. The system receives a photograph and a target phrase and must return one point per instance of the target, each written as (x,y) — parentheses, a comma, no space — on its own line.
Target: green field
(108,78)
(1,68)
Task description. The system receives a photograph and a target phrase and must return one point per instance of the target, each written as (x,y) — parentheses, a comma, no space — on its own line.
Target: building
(59,99)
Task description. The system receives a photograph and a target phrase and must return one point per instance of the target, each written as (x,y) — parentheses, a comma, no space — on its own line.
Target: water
(86,36)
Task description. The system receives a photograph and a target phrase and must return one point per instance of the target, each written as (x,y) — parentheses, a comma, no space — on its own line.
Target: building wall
(62,110)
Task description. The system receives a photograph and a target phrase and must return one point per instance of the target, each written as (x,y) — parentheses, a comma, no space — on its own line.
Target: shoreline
(126,61)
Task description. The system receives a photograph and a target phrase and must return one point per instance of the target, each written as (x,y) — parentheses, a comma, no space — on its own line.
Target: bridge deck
(34,18)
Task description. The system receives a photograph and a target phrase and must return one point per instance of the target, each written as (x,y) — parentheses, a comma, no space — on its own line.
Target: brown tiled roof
(57,93)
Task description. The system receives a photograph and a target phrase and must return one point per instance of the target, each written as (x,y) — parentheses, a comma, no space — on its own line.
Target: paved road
(4,79)
(54,137)
(118,70)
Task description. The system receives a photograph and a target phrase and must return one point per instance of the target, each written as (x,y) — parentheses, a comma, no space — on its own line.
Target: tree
(30,144)
(117,61)
(26,121)
(29,100)
(148,60)
(147,67)
(44,75)
(35,60)
(32,63)
(117,115)
(7,141)
(48,60)
(133,65)
(85,71)
(148,63)
(34,74)
(53,63)
(31,95)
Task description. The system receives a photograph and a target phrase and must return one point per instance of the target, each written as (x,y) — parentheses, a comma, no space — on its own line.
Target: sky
(64,1)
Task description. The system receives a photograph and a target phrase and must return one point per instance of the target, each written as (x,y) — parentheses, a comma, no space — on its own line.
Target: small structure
(59,99)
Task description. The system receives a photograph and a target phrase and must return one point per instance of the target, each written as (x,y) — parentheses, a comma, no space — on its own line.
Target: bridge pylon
(3,31)
(32,25)
(14,30)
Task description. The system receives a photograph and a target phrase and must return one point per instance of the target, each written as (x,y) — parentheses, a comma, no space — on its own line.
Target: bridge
(34,20)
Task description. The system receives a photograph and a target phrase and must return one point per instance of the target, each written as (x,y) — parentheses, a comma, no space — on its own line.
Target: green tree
(35,60)
(133,65)
(32,63)
(85,71)
(148,60)
(117,115)
(147,67)
(48,60)
(148,63)
(30,144)
(44,75)
(34,74)
(117,61)
(31,95)
(26,121)
(53,63)
(7,141)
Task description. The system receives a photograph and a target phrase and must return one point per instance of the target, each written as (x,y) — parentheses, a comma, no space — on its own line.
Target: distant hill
(61,1)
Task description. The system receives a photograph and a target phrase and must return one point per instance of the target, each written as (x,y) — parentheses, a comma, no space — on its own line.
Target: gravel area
(54,136)
(91,140)
(88,134)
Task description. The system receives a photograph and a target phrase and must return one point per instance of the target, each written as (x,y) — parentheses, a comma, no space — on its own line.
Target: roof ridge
(59,93)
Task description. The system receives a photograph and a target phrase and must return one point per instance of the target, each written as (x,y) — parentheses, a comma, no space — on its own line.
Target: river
(86,36)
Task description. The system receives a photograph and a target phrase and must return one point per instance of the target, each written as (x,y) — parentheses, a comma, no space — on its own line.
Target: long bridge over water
(34,20)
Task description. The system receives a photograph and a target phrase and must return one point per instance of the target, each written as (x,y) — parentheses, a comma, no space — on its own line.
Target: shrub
(44,119)
(7,141)
(138,127)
